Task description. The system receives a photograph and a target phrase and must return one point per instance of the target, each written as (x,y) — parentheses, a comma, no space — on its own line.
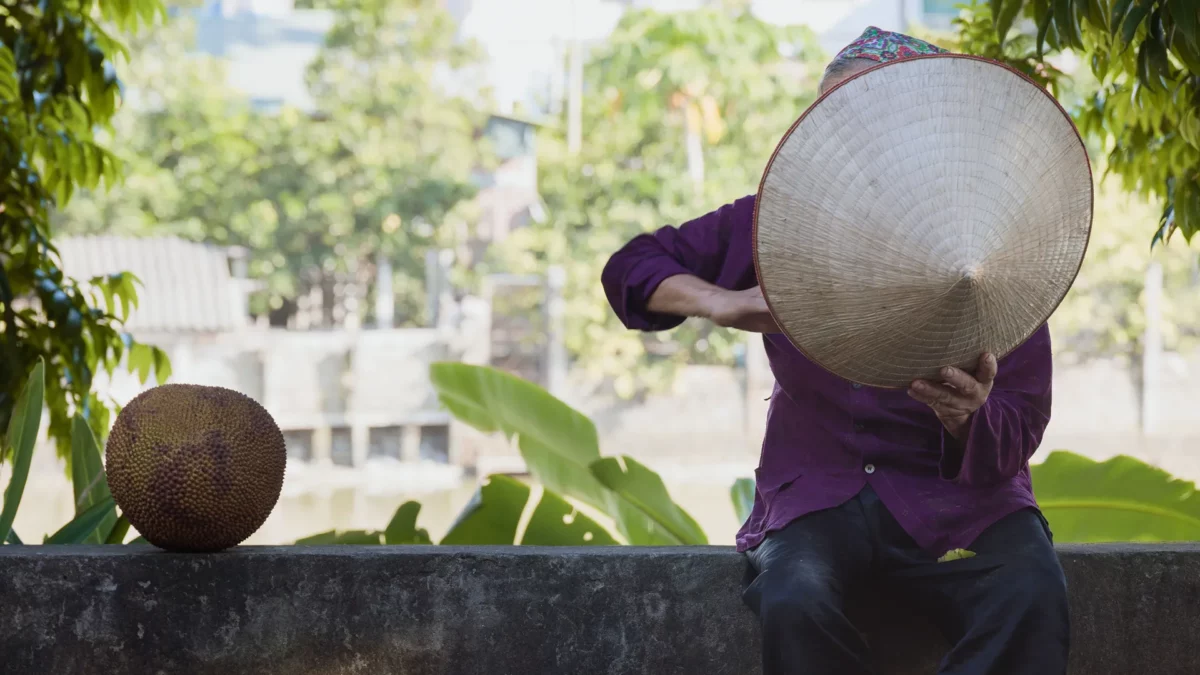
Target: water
(318,499)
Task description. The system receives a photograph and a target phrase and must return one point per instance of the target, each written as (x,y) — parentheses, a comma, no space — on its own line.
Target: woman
(857,484)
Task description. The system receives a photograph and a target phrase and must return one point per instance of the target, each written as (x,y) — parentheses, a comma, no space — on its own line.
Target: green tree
(681,113)
(1145,55)
(57,88)
(315,197)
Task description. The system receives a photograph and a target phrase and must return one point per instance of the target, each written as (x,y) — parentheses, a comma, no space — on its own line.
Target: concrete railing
(527,611)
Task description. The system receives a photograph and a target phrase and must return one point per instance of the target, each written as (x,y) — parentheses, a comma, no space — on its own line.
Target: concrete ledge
(494,611)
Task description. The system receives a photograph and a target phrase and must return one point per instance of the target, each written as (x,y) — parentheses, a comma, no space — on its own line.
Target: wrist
(957,427)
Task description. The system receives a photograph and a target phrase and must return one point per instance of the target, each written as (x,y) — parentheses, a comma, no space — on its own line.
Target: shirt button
(870,468)
(859,426)
(856,385)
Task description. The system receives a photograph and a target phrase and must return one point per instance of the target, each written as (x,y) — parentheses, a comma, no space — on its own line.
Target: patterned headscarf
(882,46)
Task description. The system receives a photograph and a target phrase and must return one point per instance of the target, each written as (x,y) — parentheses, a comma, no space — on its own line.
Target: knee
(1035,586)
(800,597)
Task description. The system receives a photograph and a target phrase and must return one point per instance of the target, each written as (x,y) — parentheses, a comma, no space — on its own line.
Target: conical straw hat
(922,213)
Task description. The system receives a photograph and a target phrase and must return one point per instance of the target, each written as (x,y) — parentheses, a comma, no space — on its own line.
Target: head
(871,48)
(841,69)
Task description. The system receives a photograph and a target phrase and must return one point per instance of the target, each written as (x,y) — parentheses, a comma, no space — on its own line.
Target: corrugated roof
(186,287)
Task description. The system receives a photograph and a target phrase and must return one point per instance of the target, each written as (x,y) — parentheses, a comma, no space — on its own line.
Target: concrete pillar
(556,349)
(410,443)
(385,295)
(1152,347)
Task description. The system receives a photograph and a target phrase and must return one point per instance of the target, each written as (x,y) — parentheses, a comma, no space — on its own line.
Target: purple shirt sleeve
(715,247)
(1007,430)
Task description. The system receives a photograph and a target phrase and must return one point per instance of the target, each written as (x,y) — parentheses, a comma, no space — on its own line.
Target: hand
(957,398)
(744,310)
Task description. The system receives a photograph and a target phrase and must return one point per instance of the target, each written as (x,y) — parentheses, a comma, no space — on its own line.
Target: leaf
(9,88)
(117,533)
(556,441)
(1064,18)
(84,525)
(13,538)
(87,475)
(665,522)
(1043,32)
(22,436)
(1119,11)
(346,538)
(742,494)
(403,527)
(1186,16)
(138,541)
(1132,21)
(559,445)
(141,360)
(956,554)
(1005,13)
(555,522)
(1121,499)
(492,516)
(162,365)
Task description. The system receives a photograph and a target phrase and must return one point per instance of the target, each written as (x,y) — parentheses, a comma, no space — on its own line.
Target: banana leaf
(84,525)
(87,477)
(1121,499)
(561,448)
(21,438)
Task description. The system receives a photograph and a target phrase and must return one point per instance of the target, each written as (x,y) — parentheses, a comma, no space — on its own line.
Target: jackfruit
(195,468)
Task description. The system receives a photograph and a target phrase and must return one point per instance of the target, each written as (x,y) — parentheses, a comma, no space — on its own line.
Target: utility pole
(1152,347)
(575,86)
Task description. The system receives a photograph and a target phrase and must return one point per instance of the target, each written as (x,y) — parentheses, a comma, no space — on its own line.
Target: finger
(987,370)
(933,394)
(963,382)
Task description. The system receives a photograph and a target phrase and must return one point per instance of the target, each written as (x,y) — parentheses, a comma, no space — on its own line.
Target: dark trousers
(1004,611)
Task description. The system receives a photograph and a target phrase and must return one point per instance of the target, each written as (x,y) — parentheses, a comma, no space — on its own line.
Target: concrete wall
(501,610)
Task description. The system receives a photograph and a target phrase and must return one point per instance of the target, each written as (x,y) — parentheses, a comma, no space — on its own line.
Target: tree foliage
(681,112)
(57,88)
(314,196)
(1145,55)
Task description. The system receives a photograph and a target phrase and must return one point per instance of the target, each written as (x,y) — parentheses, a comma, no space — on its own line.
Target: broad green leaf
(555,522)
(1121,499)
(560,447)
(22,436)
(138,541)
(13,538)
(87,475)
(403,527)
(117,533)
(492,516)
(742,494)
(84,525)
(640,491)
(556,441)
(348,537)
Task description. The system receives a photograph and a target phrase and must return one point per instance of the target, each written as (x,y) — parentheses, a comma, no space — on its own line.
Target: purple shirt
(827,438)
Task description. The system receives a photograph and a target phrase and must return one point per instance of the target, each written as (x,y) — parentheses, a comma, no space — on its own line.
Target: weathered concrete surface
(493,611)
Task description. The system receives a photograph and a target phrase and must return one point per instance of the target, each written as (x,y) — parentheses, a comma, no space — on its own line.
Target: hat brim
(846,241)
